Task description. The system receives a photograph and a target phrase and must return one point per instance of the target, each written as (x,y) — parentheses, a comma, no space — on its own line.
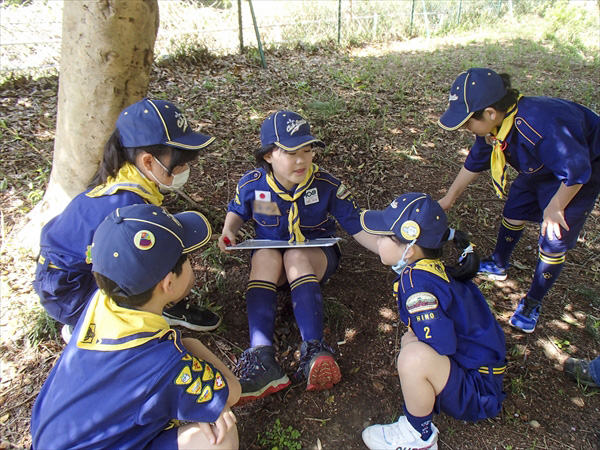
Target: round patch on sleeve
(421,301)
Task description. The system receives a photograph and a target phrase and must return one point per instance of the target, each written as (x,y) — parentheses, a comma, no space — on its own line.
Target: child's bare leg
(267,265)
(300,262)
(423,374)
(199,350)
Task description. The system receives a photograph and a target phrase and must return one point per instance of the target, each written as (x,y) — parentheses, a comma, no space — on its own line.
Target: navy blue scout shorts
(165,440)
(528,198)
(471,395)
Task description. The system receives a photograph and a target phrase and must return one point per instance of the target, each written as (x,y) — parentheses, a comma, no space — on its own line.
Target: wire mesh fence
(31,33)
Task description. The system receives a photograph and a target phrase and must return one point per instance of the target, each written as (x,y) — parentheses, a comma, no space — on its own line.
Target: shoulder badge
(184,377)
(420,302)
(342,192)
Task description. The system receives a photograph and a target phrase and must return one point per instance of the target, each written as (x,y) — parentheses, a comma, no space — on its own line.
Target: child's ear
(267,157)
(146,161)
(491,113)
(166,283)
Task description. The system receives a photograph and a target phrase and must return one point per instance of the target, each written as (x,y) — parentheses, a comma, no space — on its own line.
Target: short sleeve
(344,208)
(479,156)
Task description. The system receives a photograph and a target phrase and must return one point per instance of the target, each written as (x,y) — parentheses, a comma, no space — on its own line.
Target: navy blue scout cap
(137,246)
(287,130)
(157,122)
(473,90)
(409,217)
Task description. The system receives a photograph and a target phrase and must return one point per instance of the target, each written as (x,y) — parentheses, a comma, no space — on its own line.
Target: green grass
(280,437)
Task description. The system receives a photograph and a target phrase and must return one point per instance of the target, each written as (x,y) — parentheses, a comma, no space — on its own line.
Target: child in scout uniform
(453,355)
(126,379)
(554,144)
(148,151)
(288,197)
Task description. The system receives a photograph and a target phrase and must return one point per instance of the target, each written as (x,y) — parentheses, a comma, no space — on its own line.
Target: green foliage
(43,327)
(280,438)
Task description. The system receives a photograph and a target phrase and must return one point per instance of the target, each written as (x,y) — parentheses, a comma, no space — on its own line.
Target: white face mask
(402,263)
(178,179)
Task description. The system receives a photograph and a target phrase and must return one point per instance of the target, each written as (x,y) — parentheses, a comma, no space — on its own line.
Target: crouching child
(126,379)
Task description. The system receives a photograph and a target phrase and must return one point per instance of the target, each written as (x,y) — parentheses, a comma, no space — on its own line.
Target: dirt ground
(379,156)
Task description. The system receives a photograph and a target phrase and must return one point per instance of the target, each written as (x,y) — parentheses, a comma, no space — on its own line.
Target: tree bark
(106,57)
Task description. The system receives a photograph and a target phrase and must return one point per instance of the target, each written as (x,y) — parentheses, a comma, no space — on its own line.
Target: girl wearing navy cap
(148,151)
(554,145)
(453,355)
(288,197)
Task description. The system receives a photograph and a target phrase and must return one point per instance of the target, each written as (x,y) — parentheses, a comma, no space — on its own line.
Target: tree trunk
(106,56)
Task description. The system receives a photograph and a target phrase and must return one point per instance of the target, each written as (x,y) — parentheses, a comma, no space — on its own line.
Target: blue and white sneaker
(526,315)
(488,268)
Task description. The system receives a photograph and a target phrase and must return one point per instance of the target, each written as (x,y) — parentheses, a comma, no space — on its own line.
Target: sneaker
(66,333)
(526,315)
(259,374)
(398,435)
(488,268)
(318,366)
(192,317)
(578,370)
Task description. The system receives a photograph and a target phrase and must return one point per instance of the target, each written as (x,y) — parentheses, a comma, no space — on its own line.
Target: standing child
(554,144)
(453,355)
(126,379)
(289,198)
(148,151)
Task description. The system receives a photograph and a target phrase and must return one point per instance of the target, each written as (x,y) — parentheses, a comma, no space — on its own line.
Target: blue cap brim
(191,141)
(452,120)
(197,230)
(294,144)
(372,222)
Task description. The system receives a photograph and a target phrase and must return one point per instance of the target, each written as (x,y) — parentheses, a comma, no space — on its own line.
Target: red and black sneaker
(318,366)
(259,374)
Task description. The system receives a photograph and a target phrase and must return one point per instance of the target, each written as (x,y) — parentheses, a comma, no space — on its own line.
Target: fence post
(260,49)
(339,22)
(375,21)
(427,19)
(459,11)
(412,17)
(240,25)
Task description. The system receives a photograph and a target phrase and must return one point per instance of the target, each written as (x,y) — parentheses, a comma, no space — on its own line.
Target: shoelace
(397,433)
(247,364)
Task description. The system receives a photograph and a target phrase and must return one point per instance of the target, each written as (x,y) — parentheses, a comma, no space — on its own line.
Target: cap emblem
(394,204)
(452,97)
(144,240)
(181,121)
(294,125)
(410,230)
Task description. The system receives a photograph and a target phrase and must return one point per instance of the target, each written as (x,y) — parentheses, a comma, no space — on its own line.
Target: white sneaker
(398,436)
(66,332)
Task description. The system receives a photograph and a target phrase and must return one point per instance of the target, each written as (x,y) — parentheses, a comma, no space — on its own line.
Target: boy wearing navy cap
(288,197)
(453,355)
(127,379)
(554,145)
(148,152)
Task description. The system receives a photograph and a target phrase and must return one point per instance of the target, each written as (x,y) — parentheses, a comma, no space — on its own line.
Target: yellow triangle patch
(208,374)
(195,388)
(196,365)
(206,395)
(219,382)
(187,357)
(184,377)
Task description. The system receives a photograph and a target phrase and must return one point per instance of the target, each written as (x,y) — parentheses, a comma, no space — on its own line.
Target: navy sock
(261,303)
(421,424)
(546,272)
(307,301)
(508,236)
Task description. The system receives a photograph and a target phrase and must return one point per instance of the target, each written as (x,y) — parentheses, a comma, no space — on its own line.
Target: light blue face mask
(401,264)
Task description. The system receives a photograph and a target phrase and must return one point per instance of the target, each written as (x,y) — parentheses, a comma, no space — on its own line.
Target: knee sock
(508,236)
(307,301)
(546,272)
(421,424)
(261,303)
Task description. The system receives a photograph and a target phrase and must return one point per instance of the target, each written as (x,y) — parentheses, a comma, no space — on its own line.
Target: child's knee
(412,358)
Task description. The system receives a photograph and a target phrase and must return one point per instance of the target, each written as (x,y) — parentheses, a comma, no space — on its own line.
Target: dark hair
(113,290)
(259,155)
(502,105)
(115,155)
(467,267)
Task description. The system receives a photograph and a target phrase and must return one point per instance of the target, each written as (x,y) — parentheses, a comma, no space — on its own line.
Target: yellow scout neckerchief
(498,161)
(108,326)
(293,218)
(129,178)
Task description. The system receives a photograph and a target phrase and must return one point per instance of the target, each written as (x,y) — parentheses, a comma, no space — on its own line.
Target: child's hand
(226,240)
(215,432)
(408,337)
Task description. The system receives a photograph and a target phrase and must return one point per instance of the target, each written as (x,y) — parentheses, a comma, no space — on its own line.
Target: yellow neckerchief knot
(129,178)
(293,217)
(498,160)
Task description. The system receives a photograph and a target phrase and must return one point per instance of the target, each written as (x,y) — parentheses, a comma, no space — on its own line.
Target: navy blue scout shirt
(326,195)
(124,377)
(551,138)
(451,316)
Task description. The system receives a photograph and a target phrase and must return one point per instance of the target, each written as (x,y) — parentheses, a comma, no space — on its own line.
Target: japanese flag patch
(262,196)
